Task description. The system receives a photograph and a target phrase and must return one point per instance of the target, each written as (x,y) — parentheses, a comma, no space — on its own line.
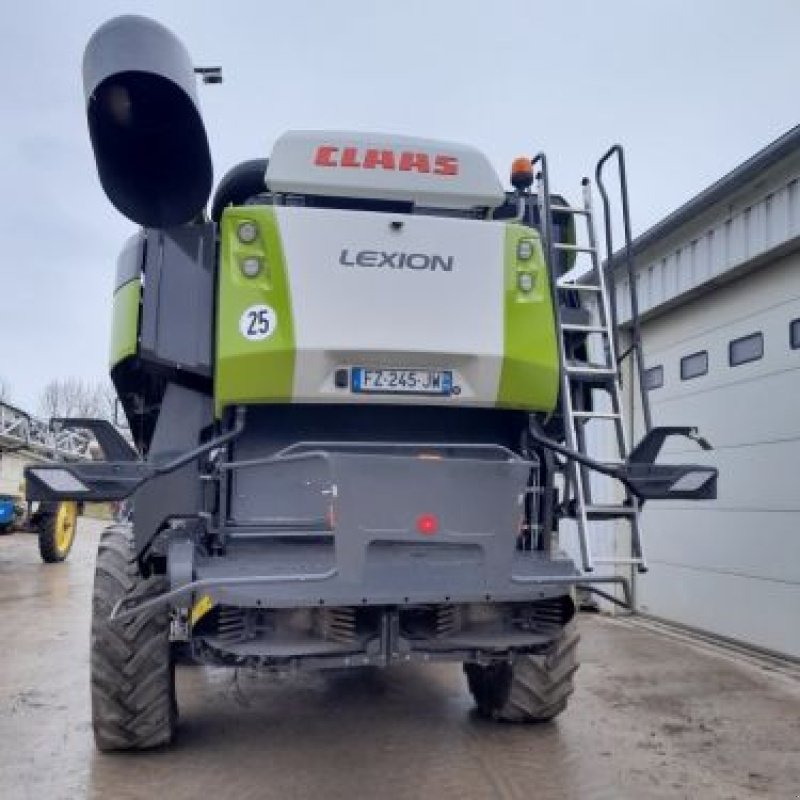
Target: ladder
(21,431)
(581,371)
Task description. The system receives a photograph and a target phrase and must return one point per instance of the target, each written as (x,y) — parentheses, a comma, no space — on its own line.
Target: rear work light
(251,266)
(525,249)
(247,232)
(525,282)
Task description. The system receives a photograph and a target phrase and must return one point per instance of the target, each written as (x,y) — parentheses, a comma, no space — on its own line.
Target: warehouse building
(718,284)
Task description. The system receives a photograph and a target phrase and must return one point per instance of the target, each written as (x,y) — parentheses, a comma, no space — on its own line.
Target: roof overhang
(719,192)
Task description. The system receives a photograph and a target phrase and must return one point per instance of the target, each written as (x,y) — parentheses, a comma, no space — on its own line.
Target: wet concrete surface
(654,715)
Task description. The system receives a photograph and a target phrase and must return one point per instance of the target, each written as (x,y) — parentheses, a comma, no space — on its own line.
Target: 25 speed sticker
(258,322)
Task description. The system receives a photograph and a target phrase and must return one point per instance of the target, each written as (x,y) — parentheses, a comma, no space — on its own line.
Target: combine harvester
(25,440)
(358,391)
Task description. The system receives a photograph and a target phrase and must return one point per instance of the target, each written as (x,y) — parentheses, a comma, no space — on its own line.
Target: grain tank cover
(377,166)
(148,136)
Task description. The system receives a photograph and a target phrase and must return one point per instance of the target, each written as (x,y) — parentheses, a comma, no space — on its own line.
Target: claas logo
(375,158)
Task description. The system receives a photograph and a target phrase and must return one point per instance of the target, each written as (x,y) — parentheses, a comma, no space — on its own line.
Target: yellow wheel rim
(66,523)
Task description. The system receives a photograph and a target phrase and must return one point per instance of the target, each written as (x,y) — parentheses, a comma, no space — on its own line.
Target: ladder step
(601,512)
(572,326)
(573,248)
(577,287)
(570,210)
(596,415)
(589,371)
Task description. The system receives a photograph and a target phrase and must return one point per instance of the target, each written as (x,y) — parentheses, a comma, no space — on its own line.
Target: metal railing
(636,335)
(21,431)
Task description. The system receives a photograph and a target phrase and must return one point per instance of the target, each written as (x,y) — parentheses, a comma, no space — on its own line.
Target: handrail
(626,221)
(545,215)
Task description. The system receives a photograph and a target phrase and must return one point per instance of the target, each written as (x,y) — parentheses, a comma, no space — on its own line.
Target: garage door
(729,363)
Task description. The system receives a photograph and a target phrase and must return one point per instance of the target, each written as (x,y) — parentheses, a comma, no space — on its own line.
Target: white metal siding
(752,224)
(732,566)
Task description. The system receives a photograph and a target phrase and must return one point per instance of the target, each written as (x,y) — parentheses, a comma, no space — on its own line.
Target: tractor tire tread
(133,683)
(534,687)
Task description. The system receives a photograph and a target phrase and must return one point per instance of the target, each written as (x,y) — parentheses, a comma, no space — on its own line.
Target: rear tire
(132,675)
(57,529)
(532,688)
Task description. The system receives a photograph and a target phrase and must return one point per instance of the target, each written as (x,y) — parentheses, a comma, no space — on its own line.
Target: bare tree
(73,397)
(108,398)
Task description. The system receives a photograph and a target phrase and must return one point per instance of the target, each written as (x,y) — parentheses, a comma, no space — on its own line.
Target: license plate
(402,381)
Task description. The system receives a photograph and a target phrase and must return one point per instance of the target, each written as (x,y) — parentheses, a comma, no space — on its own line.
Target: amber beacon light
(521,173)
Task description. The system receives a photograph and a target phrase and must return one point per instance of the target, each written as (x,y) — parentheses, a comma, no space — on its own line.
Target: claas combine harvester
(357,390)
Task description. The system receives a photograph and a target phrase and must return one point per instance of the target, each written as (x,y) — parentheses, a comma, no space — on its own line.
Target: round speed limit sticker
(258,322)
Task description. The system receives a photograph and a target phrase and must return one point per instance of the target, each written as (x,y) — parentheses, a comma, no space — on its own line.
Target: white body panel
(418,318)
(12,466)
(384,167)
(732,566)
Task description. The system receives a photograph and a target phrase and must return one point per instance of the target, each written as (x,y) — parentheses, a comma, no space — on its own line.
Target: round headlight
(524,249)
(247,232)
(251,266)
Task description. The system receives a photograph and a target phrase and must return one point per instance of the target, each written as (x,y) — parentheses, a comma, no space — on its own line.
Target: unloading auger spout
(147,132)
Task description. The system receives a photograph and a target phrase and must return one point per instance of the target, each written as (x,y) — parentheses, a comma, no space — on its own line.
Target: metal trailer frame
(21,431)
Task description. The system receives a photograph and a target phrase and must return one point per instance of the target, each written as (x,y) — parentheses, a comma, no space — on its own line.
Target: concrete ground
(654,715)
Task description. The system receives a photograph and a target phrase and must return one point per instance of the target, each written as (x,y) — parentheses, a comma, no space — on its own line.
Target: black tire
(533,688)
(57,526)
(133,678)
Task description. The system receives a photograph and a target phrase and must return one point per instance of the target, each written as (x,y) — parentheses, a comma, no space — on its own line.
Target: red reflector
(427,524)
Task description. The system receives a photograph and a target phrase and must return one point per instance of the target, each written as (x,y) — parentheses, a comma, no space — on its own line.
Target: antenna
(209,75)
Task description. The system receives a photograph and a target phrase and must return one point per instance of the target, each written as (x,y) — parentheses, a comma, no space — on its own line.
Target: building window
(794,333)
(654,377)
(694,366)
(748,348)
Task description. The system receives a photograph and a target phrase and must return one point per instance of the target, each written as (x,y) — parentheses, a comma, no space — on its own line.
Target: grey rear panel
(326,522)
(387,572)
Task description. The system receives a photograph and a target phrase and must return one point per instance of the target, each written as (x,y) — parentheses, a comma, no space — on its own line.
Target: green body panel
(529,376)
(252,371)
(125,322)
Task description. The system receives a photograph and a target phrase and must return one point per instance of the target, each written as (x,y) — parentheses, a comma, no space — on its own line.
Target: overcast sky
(690,87)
